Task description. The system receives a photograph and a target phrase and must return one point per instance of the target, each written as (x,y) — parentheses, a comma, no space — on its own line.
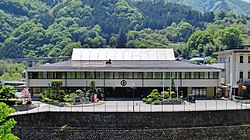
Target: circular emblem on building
(123,82)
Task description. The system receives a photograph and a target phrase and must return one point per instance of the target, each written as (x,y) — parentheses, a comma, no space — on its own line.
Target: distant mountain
(239,6)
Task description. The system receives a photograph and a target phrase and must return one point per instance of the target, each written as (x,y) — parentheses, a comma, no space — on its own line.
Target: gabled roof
(122,54)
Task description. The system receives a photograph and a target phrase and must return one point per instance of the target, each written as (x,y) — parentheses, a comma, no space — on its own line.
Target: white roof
(122,54)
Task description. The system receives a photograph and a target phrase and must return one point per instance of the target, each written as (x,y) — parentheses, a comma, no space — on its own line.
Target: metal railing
(129,106)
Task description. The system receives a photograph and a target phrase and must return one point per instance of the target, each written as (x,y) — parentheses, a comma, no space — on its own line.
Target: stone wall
(136,125)
(219,132)
(132,120)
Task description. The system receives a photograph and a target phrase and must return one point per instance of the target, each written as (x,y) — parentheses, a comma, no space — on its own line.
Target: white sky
(246,0)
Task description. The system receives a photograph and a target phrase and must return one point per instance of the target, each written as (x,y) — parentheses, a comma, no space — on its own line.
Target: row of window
(199,92)
(241,75)
(242,59)
(123,75)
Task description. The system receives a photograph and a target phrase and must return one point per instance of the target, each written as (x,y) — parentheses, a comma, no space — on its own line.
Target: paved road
(139,106)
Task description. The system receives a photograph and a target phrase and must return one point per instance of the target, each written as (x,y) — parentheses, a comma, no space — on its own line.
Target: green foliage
(56,86)
(240,98)
(155,95)
(157,102)
(51,28)
(67,98)
(231,38)
(61,95)
(149,100)
(79,91)
(13,71)
(8,102)
(165,94)
(46,99)
(173,94)
(92,88)
(6,124)
(7,92)
(19,102)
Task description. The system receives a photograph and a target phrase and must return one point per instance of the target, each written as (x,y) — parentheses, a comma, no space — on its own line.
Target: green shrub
(157,102)
(155,95)
(47,100)
(240,98)
(61,95)
(79,91)
(165,94)
(144,99)
(8,102)
(19,102)
(173,94)
(73,94)
(67,99)
(28,103)
(149,100)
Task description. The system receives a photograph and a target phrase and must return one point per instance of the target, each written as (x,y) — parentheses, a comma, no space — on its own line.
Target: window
(187,75)
(148,75)
(202,75)
(50,75)
(138,75)
(248,75)
(128,75)
(116,76)
(167,75)
(215,75)
(109,75)
(157,75)
(248,58)
(33,75)
(241,59)
(60,75)
(196,75)
(206,75)
(173,75)
(99,75)
(89,75)
(241,75)
(199,92)
(71,75)
(80,75)
(120,74)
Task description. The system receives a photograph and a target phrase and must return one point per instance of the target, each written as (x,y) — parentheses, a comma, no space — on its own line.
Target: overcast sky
(246,0)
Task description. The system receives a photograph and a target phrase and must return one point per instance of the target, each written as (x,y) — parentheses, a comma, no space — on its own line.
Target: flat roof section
(232,51)
(122,54)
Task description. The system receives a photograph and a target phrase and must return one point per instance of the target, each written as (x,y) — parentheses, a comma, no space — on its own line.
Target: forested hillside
(238,6)
(35,28)
(49,28)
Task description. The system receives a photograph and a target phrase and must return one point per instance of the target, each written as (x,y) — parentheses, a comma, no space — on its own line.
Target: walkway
(139,106)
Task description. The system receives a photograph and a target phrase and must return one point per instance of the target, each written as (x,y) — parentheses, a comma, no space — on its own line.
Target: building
(121,71)
(237,70)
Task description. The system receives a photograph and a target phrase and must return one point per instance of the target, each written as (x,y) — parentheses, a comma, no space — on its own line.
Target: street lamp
(133,86)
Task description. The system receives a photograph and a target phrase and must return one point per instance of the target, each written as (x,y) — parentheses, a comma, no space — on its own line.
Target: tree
(6,124)
(56,86)
(7,92)
(231,37)
(122,38)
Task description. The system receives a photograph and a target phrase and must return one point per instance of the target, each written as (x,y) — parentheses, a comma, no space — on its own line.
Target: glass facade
(199,92)
(123,75)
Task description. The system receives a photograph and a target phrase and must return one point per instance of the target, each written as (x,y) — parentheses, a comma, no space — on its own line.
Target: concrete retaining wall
(131,125)
(132,120)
